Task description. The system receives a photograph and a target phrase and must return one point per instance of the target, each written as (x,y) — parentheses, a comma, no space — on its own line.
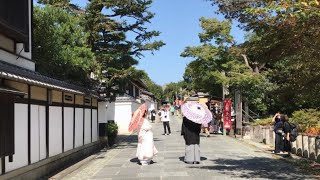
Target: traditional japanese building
(121,110)
(44,123)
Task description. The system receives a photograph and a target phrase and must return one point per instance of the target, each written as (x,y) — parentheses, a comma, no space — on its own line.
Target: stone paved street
(222,158)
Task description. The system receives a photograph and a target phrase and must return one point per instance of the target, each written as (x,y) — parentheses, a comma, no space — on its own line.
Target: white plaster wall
(94,126)
(42,132)
(35,134)
(102,109)
(38,133)
(55,130)
(134,106)
(20,158)
(12,59)
(123,112)
(111,111)
(87,126)
(79,127)
(68,128)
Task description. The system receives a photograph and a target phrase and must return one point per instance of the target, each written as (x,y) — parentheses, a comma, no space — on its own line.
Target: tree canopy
(276,67)
(110,34)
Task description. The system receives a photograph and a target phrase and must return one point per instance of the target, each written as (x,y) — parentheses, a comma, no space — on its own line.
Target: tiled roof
(17,73)
(147,93)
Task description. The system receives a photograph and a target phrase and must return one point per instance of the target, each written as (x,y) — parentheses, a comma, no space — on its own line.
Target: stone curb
(85,161)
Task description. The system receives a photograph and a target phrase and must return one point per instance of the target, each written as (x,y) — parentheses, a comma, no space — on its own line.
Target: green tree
(153,87)
(219,53)
(60,47)
(117,37)
(286,45)
(110,23)
(176,90)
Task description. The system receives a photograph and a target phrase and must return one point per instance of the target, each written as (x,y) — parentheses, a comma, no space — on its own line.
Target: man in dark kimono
(191,133)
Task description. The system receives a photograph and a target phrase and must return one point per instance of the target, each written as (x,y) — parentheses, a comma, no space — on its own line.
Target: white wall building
(45,123)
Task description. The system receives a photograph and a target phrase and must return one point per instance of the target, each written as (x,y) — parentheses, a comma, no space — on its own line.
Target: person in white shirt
(165,118)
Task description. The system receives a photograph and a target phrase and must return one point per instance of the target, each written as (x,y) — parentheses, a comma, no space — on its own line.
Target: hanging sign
(227,113)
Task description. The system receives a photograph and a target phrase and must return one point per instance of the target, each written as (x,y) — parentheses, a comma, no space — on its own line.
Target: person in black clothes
(278,126)
(191,133)
(286,131)
(153,115)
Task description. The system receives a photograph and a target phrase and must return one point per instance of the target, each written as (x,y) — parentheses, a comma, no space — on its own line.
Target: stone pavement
(221,158)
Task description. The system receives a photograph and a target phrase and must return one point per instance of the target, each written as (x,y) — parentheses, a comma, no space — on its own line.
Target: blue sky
(178,22)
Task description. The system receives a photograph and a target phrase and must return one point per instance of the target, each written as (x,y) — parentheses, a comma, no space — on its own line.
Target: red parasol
(137,117)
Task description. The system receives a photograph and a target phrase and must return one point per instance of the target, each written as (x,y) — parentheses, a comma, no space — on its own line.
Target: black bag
(294,132)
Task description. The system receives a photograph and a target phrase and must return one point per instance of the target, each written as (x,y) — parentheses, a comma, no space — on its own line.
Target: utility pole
(223,94)
(238,108)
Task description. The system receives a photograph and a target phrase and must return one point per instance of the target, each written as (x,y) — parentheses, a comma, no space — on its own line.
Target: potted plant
(112,132)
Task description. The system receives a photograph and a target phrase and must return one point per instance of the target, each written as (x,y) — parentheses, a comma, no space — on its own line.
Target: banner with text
(227,113)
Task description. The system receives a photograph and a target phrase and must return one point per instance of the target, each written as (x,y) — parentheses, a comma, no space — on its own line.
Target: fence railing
(305,146)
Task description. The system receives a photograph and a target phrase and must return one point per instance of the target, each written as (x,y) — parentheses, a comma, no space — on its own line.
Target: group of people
(193,118)
(282,131)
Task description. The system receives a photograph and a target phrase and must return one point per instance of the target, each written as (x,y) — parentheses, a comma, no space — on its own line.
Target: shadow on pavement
(256,167)
(136,160)
(201,158)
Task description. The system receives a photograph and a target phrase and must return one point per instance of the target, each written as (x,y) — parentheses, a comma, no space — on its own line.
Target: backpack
(294,132)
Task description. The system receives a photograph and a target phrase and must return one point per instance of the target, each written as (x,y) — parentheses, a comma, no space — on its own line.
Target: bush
(112,132)
(313,130)
(306,118)
(262,122)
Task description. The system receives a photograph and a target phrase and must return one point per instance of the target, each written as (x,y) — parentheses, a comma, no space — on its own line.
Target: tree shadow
(256,167)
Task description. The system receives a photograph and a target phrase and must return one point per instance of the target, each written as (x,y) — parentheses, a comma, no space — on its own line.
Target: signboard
(227,113)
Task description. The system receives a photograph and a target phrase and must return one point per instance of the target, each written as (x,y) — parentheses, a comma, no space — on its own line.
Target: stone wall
(305,145)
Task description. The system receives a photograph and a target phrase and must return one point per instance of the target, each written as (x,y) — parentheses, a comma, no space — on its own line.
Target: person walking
(145,149)
(165,118)
(172,110)
(153,115)
(205,129)
(278,126)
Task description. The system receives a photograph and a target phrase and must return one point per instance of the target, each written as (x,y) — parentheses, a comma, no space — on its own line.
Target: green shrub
(306,118)
(112,132)
(263,122)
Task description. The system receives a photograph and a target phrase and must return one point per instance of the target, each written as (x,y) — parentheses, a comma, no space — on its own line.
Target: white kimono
(146,149)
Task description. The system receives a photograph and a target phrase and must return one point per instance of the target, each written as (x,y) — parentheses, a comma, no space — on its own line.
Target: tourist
(194,114)
(286,132)
(172,110)
(146,149)
(165,118)
(191,134)
(278,126)
(153,115)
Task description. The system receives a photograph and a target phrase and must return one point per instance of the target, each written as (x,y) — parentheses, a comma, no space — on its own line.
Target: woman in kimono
(146,149)
(191,133)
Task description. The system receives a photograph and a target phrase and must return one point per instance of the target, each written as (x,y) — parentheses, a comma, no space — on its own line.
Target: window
(14,20)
